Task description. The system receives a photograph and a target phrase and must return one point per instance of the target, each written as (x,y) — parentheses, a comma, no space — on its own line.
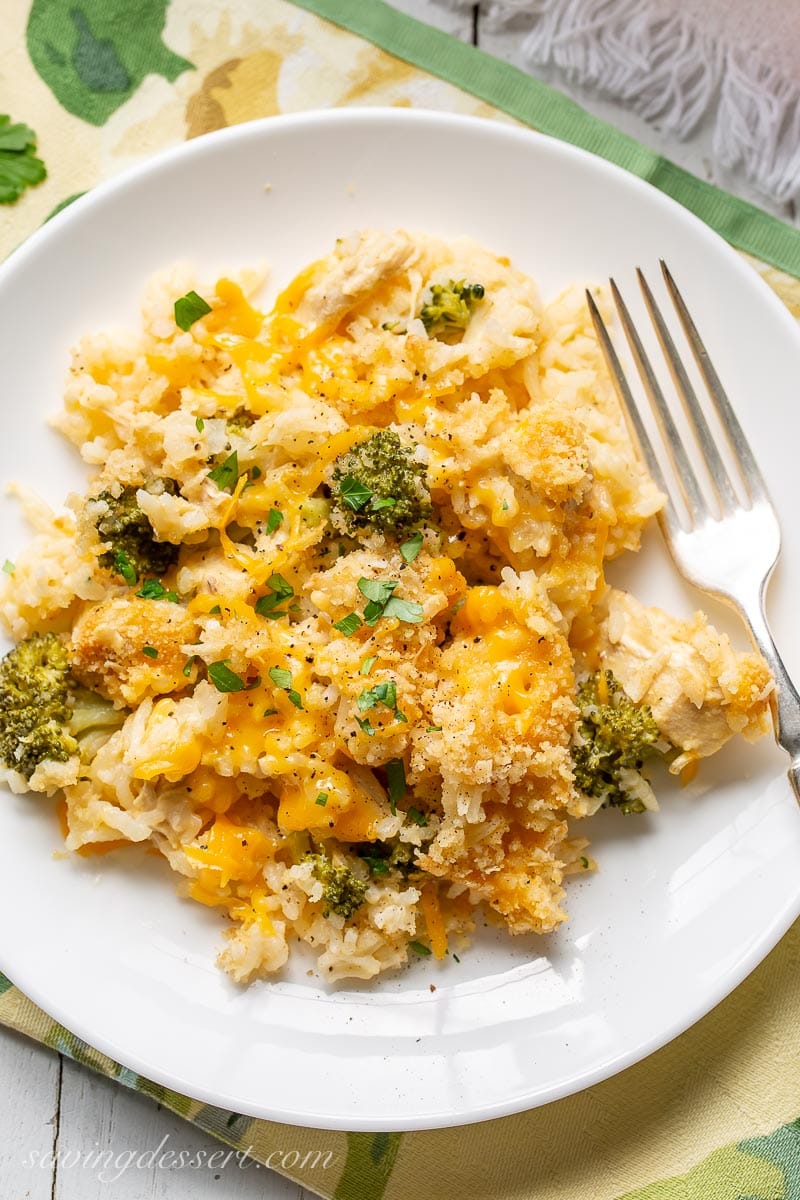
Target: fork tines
(718,477)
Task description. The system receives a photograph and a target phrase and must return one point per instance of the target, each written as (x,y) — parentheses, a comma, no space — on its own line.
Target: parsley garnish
(270,712)
(377,590)
(267,606)
(124,567)
(213,612)
(365,726)
(200,424)
(584,863)
(354,493)
(378,866)
(405,610)
(382,603)
(417,817)
(434,729)
(322,799)
(368,664)
(396,778)
(190,308)
(19,166)
(187,666)
(412,547)
(150,651)
(283,680)
(153,589)
(274,519)
(382,693)
(349,624)
(226,473)
(9,567)
(224,679)
(418,948)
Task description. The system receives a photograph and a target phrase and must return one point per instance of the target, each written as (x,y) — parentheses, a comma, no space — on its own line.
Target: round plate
(686,902)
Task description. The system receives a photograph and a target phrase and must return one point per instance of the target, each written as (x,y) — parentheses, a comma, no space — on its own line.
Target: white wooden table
(48,1103)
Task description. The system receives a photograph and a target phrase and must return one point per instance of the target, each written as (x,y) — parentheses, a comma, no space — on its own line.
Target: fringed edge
(670,73)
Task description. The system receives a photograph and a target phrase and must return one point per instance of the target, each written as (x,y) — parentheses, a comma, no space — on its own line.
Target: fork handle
(785,700)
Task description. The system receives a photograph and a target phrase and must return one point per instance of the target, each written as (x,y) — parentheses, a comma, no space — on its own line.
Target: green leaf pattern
(94,54)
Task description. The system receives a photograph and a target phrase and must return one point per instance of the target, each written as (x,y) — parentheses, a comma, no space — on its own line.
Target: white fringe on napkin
(669,67)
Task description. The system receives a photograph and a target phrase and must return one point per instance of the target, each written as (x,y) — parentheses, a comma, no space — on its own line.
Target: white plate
(686,903)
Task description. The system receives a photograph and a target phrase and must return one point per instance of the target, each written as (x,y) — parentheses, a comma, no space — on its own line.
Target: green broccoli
(35,704)
(343,892)
(377,484)
(240,422)
(93,720)
(446,314)
(613,739)
(133,551)
(382,857)
(43,716)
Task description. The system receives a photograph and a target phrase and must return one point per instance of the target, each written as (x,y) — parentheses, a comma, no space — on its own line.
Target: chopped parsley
(322,799)
(353,493)
(124,567)
(9,567)
(274,519)
(199,424)
(418,948)
(187,666)
(382,603)
(365,726)
(215,611)
(417,817)
(412,547)
(150,651)
(283,680)
(368,664)
(269,604)
(396,778)
(377,590)
(226,474)
(434,729)
(383,693)
(349,624)
(378,866)
(190,308)
(153,589)
(224,679)
(405,610)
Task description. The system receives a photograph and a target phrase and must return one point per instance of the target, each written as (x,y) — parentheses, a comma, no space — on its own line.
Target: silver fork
(730,553)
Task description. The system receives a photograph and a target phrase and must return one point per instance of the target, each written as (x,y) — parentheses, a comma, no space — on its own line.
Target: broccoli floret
(382,857)
(35,704)
(447,312)
(614,737)
(44,716)
(93,720)
(133,551)
(378,485)
(343,892)
(240,422)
